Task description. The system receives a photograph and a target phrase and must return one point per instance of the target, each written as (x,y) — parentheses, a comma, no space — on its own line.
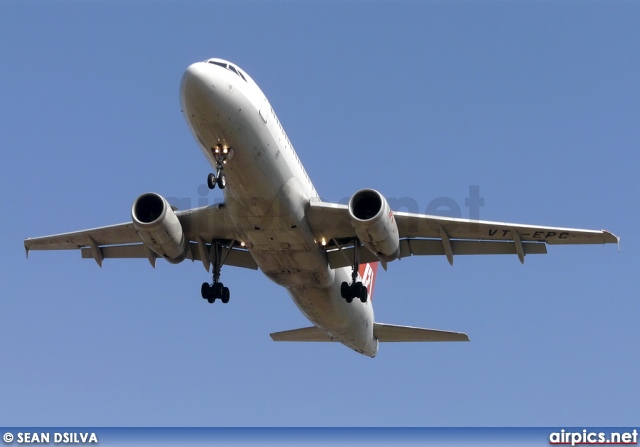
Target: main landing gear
(221,155)
(217,290)
(212,292)
(355,289)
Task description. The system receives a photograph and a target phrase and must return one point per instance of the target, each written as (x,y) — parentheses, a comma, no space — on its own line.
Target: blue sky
(537,103)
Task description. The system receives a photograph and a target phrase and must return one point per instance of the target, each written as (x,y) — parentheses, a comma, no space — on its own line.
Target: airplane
(326,255)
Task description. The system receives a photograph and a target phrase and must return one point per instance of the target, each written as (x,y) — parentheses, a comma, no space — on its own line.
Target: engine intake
(159,227)
(374,223)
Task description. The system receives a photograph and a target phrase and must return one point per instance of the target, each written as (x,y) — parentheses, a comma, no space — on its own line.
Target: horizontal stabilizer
(392,333)
(383,332)
(305,334)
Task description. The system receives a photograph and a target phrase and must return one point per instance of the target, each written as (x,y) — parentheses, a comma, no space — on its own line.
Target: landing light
(323,242)
(225,150)
(242,244)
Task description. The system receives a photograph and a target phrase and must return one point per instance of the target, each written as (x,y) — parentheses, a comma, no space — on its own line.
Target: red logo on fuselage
(368,276)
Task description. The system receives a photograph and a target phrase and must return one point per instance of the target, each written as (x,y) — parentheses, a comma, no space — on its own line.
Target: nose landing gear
(221,154)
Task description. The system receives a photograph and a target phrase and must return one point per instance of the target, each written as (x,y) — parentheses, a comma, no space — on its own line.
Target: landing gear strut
(355,289)
(217,290)
(221,155)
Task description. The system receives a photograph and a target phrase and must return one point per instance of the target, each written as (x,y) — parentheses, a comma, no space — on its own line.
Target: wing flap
(306,334)
(461,247)
(421,247)
(393,333)
(236,258)
(117,251)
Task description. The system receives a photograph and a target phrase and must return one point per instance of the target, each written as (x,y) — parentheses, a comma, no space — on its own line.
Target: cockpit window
(223,65)
(229,67)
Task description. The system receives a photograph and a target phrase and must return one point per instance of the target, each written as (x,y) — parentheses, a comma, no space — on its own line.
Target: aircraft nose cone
(195,81)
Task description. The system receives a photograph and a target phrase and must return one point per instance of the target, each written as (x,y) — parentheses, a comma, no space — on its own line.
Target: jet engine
(159,227)
(374,223)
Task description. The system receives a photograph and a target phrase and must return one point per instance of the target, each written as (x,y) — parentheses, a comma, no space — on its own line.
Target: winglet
(610,238)
(26,249)
(618,245)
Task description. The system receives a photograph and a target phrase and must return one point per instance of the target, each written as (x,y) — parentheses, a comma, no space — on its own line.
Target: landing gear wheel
(205,290)
(211,181)
(355,290)
(225,295)
(362,293)
(222,181)
(344,289)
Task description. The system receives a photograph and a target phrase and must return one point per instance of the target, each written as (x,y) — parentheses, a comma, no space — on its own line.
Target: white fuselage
(267,195)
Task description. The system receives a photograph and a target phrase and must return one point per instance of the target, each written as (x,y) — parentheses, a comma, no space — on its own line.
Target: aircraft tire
(205,290)
(225,295)
(211,181)
(363,293)
(222,181)
(344,290)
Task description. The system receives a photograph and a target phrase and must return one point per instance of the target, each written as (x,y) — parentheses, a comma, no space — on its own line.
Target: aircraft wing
(422,234)
(122,240)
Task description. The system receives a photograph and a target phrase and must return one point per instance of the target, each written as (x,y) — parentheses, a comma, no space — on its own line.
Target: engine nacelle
(159,227)
(374,223)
